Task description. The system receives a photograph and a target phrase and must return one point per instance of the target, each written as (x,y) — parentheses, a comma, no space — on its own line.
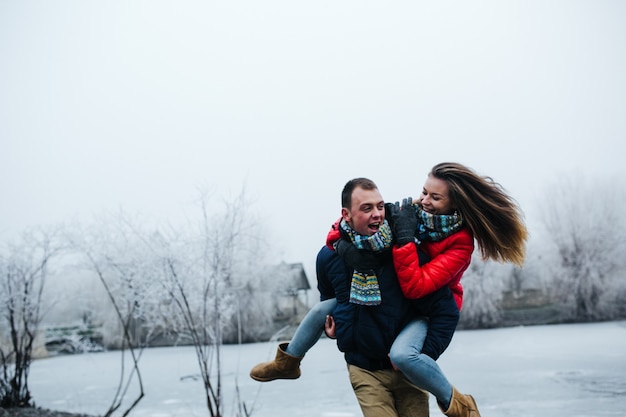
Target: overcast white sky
(134,104)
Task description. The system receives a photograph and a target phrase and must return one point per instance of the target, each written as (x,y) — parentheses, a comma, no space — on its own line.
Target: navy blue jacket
(364,333)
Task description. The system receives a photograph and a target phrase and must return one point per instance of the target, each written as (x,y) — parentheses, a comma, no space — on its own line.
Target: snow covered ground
(540,371)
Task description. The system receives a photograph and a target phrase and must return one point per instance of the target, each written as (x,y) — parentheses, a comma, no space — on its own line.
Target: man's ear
(345,214)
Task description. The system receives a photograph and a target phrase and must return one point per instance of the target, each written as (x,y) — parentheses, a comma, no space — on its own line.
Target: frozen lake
(540,371)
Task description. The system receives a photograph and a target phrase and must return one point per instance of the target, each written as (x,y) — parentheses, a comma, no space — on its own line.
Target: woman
(456,206)
(452,194)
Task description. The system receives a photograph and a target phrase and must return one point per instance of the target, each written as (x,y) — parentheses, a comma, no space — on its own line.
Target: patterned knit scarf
(364,288)
(436,227)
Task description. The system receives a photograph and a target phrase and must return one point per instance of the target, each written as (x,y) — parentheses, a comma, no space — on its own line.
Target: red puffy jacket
(449,258)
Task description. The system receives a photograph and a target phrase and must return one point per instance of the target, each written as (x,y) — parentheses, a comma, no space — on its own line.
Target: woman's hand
(329,327)
(404,221)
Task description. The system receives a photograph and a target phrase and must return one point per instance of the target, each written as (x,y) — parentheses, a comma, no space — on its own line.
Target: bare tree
(204,278)
(483,283)
(197,276)
(112,256)
(584,221)
(24,268)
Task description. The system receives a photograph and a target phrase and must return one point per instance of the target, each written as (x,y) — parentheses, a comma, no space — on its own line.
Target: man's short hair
(346,194)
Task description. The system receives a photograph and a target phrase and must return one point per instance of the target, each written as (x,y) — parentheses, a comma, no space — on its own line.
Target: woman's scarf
(436,227)
(364,288)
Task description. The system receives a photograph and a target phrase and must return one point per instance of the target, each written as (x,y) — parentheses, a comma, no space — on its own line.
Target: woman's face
(434,198)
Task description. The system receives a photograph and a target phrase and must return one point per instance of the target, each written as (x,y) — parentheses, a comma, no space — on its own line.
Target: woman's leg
(406,354)
(311,328)
(443,317)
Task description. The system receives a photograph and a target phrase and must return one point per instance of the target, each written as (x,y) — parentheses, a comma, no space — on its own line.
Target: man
(371,309)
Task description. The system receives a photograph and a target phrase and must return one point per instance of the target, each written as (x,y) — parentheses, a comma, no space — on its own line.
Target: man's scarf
(364,288)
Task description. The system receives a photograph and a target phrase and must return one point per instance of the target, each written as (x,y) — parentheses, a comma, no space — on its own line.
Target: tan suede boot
(461,405)
(284,366)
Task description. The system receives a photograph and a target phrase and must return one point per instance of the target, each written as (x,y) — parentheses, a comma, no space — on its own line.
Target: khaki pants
(387,393)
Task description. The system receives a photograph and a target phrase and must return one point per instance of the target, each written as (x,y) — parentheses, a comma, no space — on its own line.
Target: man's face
(367,212)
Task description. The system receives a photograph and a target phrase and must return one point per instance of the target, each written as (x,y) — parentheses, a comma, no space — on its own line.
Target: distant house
(528,307)
(527,302)
(77,338)
(288,288)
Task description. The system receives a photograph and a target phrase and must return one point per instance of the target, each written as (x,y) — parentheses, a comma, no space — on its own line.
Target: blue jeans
(419,368)
(311,328)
